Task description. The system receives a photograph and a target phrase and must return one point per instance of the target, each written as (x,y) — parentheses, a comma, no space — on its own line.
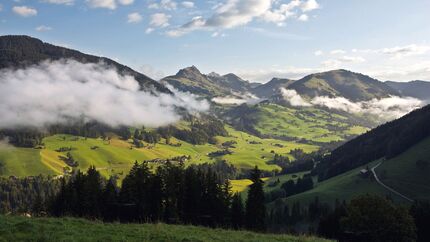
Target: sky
(256,39)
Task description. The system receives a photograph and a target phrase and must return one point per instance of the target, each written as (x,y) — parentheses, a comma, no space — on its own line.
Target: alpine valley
(318,141)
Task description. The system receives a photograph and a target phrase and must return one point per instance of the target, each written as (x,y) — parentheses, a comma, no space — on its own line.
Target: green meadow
(117,156)
(403,174)
(71,229)
(305,123)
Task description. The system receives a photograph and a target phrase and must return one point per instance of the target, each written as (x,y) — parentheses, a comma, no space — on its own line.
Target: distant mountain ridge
(336,83)
(18,51)
(190,79)
(342,83)
(417,89)
(270,88)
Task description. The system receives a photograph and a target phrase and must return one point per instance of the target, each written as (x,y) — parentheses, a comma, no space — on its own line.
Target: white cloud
(293,98)
(318,53)
(337,52)
(309,5)
(134,18)
(149,30)
(265,75)
(125,2)
(385,108)
(24,11)
(187,4)
(43,28)
(94,93)
(160,20)
(234,13)
(164,4)
(408,50)
(109,4)
(303,18)
(63,2)
(338,62)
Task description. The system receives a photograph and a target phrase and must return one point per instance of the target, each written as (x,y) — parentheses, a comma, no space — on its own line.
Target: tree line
(172,194)
(202,131)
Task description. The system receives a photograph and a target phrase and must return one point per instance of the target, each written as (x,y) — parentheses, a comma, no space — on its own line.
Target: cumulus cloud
(234,13)
(303,18)
(386,108)
(318,53)
(160,20)
(187,4)
(309,5)
(43,28)
(164,4)
(54,92)
(134,18)
(109,4)
(24,11)
(63,2)
(126,2)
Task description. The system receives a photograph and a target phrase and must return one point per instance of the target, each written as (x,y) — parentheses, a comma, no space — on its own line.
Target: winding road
(387,187)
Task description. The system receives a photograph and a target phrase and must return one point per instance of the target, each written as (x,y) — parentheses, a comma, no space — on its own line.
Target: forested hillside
(388,140)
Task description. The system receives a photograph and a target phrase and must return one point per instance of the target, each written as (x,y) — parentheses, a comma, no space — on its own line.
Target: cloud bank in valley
(237,99)
(386,108)
(60,91)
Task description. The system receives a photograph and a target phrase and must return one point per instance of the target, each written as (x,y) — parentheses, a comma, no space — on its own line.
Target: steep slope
(342,83)
(190,79)
(417,89)
(21,51)
(388,140)
(403,173)
(272,87)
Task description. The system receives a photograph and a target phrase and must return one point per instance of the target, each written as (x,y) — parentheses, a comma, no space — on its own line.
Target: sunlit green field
(305,123)
(117,156)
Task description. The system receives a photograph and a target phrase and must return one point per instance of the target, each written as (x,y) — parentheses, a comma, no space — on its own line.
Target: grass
(342,187)
(242,185)
(402,174)
(22,162)
(70,229)
(117,156)
(305,123)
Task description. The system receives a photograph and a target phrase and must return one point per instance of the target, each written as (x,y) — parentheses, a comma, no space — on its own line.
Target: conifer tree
(255,208)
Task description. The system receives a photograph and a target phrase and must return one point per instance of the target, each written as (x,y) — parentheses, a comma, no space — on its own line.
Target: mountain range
(23,51)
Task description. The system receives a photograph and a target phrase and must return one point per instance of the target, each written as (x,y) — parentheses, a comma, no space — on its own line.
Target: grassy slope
(343,187)
(22,162)
(116,157)
(402,174)
(68,229)
(307,123)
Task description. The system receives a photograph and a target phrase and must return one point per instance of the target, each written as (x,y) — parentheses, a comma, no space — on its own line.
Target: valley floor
(70,229)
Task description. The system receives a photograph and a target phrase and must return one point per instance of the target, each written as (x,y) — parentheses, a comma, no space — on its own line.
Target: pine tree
(237,213)
(255,208)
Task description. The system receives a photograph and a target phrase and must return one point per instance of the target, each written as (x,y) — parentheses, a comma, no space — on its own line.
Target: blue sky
(257,39)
